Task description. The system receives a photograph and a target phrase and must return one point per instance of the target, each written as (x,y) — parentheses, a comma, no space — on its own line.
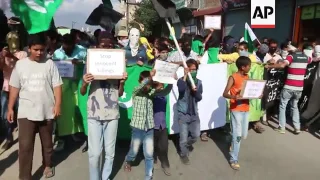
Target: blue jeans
(4,110)
(146,138)
(285,96)
(239,128)
(99,133)
(188,123)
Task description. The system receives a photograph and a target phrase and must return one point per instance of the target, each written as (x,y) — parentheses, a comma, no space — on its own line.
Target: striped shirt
(298,63)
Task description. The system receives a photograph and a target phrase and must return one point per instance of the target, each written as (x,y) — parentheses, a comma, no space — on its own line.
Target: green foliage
(145,15)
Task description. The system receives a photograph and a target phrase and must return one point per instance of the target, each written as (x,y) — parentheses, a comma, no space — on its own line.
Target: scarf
(213,55)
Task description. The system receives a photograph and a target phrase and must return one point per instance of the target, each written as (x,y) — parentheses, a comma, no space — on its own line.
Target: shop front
(307,20)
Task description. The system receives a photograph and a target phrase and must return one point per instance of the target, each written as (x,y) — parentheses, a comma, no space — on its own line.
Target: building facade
(306,21)
(237,13)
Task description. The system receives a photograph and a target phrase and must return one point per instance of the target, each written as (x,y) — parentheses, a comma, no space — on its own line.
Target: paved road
(267,156)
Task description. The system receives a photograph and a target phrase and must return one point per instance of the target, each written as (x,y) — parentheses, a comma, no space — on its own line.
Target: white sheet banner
(213,106)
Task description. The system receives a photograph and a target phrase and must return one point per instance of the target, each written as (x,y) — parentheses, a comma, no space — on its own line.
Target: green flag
(249,37)
(36,15)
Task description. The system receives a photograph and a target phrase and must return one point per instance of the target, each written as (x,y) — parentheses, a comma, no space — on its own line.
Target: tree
(145,15)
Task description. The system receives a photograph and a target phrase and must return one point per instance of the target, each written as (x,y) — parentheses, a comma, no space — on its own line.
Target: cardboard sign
(165,72)
(65,68)
(252,89)
(106,63)
(212,22)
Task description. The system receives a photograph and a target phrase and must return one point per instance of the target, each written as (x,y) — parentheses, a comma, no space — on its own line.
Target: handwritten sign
(212,22)
(252,89)
(165,72)
(106,63)
(65,68)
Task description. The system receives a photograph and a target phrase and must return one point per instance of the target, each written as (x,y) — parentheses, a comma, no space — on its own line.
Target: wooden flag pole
(180,52)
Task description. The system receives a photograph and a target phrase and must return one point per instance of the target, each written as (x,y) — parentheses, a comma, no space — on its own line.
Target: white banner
(213,106)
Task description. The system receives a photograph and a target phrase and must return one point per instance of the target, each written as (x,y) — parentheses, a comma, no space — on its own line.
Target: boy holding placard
(239,108)
(103,114)
(142,122)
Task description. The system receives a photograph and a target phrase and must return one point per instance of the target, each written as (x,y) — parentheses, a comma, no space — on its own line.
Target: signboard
(165,72)
(106,63)
(210,4)
(212,22)
(235,4)
(65,68)
(308,12)
(252,89)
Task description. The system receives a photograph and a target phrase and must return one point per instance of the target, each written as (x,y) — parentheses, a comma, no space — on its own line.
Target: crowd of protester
(34,95)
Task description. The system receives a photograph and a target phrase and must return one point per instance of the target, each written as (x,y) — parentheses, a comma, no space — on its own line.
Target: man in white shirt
(272,57)
(174,57)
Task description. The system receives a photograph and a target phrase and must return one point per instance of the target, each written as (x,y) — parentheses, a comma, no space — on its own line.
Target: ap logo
(263,14)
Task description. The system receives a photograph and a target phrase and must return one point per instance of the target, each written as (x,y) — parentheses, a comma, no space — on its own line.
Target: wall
(235,22)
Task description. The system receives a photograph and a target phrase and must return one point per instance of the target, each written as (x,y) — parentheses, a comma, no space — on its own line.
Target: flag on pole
(36,15)
(249,37)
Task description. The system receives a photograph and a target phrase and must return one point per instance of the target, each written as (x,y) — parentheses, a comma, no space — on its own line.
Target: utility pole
(127,15)
(73,23)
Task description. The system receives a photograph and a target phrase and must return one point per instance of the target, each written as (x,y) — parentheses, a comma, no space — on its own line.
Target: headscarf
(134,36)
(144,41)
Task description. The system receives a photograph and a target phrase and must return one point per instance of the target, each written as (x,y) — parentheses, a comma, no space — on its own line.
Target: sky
(77,11)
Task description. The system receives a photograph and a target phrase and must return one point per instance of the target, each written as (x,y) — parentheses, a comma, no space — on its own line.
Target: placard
(212,22)
(165,72)
(252,89)
(106,63)
(65,68)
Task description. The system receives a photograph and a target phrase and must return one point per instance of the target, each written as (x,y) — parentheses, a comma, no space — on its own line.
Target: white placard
(253,89)
(65,68)
(213,107)
(212,22)
(165,72)
(106,63)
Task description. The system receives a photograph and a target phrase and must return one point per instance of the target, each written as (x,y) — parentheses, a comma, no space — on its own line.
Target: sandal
(259,129)
(204,137)
(127,167)
(48,172)
(235,166)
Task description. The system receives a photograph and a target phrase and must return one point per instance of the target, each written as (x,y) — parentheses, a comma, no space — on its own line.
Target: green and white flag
(249,37)
(36,15)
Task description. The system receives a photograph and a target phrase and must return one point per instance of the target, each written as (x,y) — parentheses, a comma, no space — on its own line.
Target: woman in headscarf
(135,54)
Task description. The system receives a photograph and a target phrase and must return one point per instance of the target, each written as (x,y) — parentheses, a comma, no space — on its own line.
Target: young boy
(239,108)
(187,106)
(160,131)
(142,122)
(103,115)
(37,82)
